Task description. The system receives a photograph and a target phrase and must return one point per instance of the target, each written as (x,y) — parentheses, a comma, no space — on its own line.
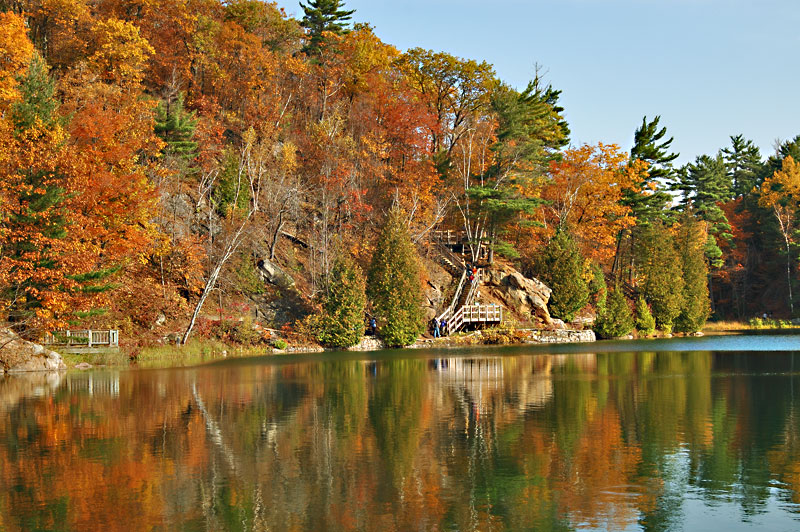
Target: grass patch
(197,351)
(101,358)
(753,324)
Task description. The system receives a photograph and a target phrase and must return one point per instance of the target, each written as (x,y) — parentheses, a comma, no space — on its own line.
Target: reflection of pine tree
(393,284)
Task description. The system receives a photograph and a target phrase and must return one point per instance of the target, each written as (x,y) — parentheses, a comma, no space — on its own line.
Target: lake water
(681,434)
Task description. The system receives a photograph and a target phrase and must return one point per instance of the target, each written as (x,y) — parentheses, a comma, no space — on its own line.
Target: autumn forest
(155,154)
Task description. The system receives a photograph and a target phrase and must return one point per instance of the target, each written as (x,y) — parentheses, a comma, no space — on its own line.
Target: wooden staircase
(463,311)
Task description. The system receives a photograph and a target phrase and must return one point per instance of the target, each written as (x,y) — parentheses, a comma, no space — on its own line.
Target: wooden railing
(476,314)
(84,337)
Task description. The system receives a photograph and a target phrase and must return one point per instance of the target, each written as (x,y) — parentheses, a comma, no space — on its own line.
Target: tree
(743,159)
(647,200)
(560,266)
(16,52)
(690,241)
(585,191)
(175,126)
(323,16)
(616,319)
(341,322)
(645,323)
(393,284)
(33,189)
(781,194)
(705,185)
(660,277)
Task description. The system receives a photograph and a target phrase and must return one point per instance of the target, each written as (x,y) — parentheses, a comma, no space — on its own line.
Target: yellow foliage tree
(781,193)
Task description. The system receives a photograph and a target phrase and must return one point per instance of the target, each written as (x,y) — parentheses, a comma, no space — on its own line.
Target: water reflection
(573,441)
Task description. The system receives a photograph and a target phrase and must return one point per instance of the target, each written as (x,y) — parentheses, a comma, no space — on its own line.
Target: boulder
(525,295)
(17,354)
(273,274)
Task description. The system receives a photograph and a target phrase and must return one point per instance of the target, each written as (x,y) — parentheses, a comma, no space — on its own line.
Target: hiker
(435,326)
(443,326)
(373,326)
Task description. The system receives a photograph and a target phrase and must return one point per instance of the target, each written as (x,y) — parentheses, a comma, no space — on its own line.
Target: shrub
(616,320)
(645,323)
(280,344)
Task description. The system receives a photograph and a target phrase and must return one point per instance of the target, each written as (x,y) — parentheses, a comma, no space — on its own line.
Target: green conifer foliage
(616,320)
(660,279)
(560,266)
(705,185)
(175,126)
(35,218)
(650,147)
(323,16)
(341,323)
(645,323)
(598,288)
(393,285)
(743,160)
(231,192)
(695,308)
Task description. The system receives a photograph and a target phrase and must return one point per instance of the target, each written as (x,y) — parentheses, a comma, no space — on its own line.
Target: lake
(678,434)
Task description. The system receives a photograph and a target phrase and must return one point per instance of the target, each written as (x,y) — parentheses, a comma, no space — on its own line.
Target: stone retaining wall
(561,336)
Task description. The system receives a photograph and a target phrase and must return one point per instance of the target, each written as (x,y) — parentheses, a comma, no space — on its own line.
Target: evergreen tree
(705,184)
(560,266)
(650,147)
(323,16)
(34,216)
(341,323)
(616,320)
(393,285)
(695,307)
(743,159)
(38,106)
(598,288)
(175,126)
(231,192)
(661,280)
(645,323)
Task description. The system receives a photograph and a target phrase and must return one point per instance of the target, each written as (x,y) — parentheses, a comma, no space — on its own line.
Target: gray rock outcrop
(17,354)
(527,296)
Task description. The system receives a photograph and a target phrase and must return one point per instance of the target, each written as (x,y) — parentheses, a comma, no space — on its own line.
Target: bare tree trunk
(789,275)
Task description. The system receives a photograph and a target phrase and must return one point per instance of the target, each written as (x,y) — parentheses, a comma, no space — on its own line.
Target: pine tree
(743,159)
(616,320)
(705,184)
(695,307)
(34,217)
(560,266)
(175,126)
(598,288)
(661,279)
(393,284)
(323,16)
(341,323)
(645,323)
(650,147)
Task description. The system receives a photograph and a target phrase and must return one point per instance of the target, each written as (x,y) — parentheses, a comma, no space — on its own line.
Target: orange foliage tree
(584,190)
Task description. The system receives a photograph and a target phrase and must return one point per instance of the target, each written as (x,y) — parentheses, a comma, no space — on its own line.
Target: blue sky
(710,68)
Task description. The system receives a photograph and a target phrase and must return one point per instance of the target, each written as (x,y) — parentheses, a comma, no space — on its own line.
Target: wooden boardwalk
(84,338)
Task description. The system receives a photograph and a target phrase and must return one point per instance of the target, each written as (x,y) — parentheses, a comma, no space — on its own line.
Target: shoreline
(207,351)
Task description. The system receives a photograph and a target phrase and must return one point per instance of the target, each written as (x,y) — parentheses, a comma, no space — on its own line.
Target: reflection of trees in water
(607,440)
